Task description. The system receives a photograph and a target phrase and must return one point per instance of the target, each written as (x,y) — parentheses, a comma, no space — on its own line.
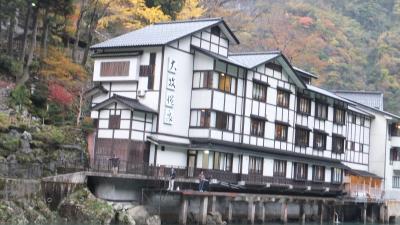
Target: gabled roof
(304,73)
(327,93)
(164,33)
(373,99)
(363,173)
(133,104)
(95,90)
(253,59)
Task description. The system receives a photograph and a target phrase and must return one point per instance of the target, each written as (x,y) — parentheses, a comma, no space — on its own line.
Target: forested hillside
(44,44)
(351,45)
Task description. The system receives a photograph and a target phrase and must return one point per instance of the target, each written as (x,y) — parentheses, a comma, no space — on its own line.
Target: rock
(82,207)
(139,214)
(14,133)
(214,218)
(12,158)
(117,206)
(27,136)
(153,220)
(125,219)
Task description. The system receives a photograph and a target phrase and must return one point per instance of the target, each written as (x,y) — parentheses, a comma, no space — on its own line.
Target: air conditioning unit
(141,93)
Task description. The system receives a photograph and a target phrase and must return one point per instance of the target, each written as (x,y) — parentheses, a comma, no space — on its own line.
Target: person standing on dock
(202,179)
(172,176)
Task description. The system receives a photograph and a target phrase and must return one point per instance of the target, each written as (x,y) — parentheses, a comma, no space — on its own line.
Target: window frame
(228,117)
(335,117)
(277,165)
(298,140)
(280,102)
(124,65)
(114,122)
(326,106)
(302,97)
(258,163)
(297,167)
(324,138)
(261,125)
(320,178)
(333,177)
(336,137)
(286,128)
(263,88)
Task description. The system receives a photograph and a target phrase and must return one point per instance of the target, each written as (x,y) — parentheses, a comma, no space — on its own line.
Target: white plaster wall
(171,156)
(184,74)
(133,69)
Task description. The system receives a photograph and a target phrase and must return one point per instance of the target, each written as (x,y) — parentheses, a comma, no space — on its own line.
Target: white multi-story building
(385,140)
(173,95)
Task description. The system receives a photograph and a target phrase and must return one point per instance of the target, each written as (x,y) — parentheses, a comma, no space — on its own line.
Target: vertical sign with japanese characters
(170,94)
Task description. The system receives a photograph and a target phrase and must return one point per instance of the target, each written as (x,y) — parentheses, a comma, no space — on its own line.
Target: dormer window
(215,30)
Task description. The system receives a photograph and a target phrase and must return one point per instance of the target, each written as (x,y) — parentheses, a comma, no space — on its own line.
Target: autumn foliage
(60,95)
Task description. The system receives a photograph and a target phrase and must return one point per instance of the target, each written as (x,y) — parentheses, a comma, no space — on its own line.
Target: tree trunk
(77,32)
(11,29)
(89,42)
(25,73)
(80,104)
(25,35)
(45,34)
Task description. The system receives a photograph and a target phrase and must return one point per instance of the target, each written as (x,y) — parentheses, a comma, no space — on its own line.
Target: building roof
(327,93)
(372,99)
(304,73)
(225,146)
(253,59)
(363,173)
(96,90)
(133,104)
(164,33)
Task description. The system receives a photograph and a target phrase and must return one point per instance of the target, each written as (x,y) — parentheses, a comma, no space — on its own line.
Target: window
(111,69)
(259,92)
(338,116)
(361,147)
(395,154)
(273,67)
(281,131)
(319,140)
(304,105)
(337,144)
(205,118)
(215,30)
(224,121)
(279,168)
(352,118)
(395,129)
(114,122)
(222,161)
(200,118)
(351,145)
(362,121)
(336,175)
(300,171)
(152,63)
(321,110)
(282,98)
(396,181)
(257,127)
(227,83)
(318,173)
(203,79)
(302,136)
(256,165)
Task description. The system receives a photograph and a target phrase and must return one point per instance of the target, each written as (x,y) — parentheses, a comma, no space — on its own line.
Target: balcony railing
(361,191)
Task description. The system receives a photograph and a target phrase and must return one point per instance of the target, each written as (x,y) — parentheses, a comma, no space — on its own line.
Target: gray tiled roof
(159,33)
(369,98)
(326,93)
(251,60)
(133,104)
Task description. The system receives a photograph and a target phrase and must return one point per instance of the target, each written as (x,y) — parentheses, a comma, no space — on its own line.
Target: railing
(361,191)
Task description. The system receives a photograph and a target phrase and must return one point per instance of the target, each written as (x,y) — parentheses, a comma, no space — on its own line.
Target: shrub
(87,125)
(4,121)
(10,66)
(51,135)
(20,97)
